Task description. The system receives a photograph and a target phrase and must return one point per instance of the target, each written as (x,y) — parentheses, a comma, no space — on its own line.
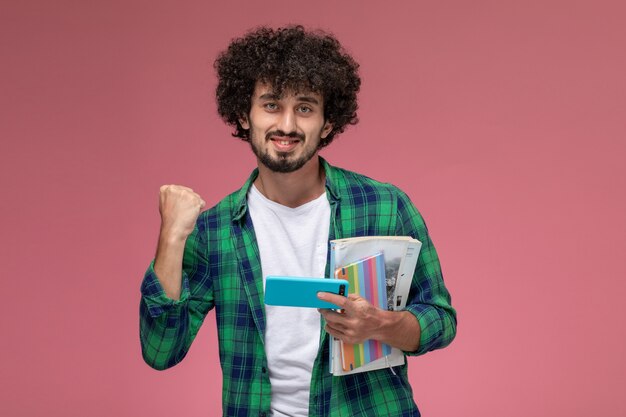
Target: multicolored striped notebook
(367,279)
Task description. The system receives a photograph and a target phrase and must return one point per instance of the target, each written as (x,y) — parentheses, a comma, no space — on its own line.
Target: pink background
(504,121)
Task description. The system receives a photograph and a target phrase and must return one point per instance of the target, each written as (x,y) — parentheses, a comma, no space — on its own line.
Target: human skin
(358,320)
(179,207)
(285,133)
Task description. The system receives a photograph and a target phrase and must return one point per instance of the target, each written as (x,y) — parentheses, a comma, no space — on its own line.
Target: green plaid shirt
(222,270)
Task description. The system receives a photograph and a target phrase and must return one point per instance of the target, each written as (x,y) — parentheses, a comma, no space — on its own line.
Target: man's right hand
(179,207)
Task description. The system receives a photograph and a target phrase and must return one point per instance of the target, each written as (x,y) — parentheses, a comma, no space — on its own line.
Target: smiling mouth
(285,145)
(285,142)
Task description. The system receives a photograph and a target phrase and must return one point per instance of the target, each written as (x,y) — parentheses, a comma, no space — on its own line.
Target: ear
(243,121)
(328,127)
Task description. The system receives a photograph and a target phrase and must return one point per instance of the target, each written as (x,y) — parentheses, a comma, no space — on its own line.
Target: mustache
(295,135)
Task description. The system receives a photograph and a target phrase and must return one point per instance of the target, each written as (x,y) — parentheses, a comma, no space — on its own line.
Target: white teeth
(284,142)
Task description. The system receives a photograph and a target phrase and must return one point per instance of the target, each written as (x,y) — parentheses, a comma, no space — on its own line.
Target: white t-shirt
(292,242)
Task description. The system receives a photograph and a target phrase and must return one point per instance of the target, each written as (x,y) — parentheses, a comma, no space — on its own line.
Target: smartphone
(302,292)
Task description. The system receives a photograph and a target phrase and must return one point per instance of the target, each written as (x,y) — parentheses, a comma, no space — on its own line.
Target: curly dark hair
(293,59)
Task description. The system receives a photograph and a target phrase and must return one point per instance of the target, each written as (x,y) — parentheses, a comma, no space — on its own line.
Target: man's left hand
(358,320)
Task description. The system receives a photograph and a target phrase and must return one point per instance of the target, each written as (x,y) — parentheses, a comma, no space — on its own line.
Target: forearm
(179,207)
(437,323)
(169,319)
(164,338)
(399,329)
(168,263)
(429,300)
(359,320)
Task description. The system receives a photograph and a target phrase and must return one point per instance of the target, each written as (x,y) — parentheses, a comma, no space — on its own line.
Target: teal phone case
(302,292)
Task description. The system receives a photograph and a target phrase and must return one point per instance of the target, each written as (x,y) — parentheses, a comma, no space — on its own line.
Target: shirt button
(262,414)
(264,369)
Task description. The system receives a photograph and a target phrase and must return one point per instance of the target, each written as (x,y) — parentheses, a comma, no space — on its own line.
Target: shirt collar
(241,196)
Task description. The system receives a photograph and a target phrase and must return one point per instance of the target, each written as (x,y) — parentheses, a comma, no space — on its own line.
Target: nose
(287,122)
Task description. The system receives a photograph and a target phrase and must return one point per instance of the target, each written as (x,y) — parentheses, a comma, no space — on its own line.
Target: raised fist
(179,207)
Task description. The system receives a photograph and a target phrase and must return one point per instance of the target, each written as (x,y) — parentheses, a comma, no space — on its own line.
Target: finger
(331,331)
(354,297)
(338,300)
(343,335)
(335,332)
(174,187)
(183,188)
(331,315)
(337,327)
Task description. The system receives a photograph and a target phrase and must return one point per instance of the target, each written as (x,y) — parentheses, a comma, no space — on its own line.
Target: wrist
(385,324)
(170,244)
(399,329)
(172,236)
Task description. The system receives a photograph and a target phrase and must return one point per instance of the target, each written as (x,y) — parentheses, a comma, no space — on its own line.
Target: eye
(304,109)
(270,106)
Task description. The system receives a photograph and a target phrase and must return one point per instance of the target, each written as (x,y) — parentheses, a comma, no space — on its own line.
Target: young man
(287,92)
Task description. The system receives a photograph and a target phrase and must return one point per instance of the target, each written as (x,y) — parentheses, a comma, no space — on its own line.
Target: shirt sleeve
(168,327)
(429,299)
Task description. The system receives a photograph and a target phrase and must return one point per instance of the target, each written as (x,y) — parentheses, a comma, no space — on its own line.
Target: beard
(282,162)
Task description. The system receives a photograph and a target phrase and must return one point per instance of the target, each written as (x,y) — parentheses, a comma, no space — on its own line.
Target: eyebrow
(303,98)
(308,99)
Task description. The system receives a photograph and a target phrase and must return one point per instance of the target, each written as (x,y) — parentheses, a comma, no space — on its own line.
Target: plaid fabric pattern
(222,270)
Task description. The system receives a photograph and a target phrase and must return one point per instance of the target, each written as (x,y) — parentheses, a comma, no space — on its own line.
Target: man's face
(285,131)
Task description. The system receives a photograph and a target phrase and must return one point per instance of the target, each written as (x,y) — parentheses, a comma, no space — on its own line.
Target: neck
(292,189)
